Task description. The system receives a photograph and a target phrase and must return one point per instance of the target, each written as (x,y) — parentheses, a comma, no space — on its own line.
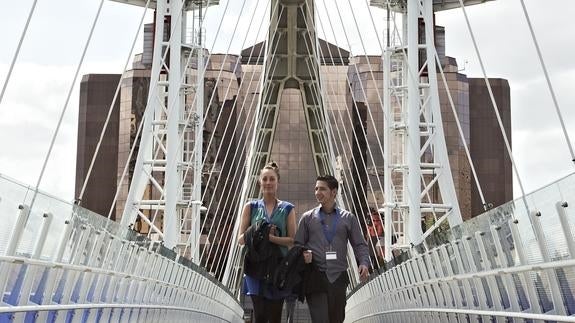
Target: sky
(42,77)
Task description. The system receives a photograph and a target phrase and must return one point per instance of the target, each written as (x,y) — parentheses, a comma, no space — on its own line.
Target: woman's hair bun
(272,164)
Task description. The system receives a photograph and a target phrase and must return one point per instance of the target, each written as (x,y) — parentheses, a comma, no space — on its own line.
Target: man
(325,231)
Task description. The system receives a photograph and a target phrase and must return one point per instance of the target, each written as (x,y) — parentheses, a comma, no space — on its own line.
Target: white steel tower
(171,140)
(418,180)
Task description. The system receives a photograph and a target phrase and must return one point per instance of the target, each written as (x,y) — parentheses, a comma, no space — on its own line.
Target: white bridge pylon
(161,191)
(418,179)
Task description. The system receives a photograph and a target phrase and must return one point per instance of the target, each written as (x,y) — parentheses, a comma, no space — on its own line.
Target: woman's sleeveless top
(278,217)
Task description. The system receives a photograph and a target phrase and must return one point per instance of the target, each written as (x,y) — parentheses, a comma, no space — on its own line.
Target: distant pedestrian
(375,235)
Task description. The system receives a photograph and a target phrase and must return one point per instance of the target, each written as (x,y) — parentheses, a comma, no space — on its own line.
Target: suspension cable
(548,79)
(457,121)
(63,112)
(411,144)
(495,108)
(258,144)
(231,202)
(355,163)
(363,92)
(413,78)
(329,132)
(105,127)
(218,119)
(17,53)
(140,127)
(322,97)
(187,122)
(227,154)
(150,97)
(245,142)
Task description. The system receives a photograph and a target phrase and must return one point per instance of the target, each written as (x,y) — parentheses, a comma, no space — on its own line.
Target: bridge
(165,247)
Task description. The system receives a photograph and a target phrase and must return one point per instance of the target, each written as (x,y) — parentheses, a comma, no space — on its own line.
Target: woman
(267,300)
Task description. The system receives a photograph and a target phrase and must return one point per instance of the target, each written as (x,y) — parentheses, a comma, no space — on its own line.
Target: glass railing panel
(512,236)
(88,242)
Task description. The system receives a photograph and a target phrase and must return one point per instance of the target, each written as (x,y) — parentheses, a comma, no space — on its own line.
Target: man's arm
(358,243)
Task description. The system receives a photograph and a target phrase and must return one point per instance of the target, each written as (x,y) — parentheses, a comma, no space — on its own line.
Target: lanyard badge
(331,255)
(329,233)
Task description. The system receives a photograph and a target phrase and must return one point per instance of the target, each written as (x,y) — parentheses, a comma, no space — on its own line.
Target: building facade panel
(96,94)
(488,150)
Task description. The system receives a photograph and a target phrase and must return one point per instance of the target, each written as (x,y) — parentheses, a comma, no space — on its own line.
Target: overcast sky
(59,28)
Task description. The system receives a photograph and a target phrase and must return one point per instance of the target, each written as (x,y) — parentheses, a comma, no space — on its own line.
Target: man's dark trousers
(328,306)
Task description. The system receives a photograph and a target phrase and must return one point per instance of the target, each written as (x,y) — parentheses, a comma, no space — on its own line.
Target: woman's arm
(245,223)
(291,228)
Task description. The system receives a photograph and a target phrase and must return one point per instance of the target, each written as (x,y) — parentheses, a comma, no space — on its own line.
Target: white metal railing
(62,263)
(510,264)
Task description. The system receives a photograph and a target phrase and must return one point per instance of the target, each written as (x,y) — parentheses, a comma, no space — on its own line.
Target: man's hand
(363,272)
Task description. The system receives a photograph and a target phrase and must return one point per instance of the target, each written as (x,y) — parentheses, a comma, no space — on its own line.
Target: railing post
(88,277)
(39,246)
(57,257)
(22,218)
(172,281)
(491,282)
(81,246)
(507,278)
(5,268)
(151,285)
(481,297)
(456,293)
(416,290)
(136,283)
(397,285)
(160,289)
(113,280)
(181,283)
(443,287)
(389,288)
(404,283)
(431,296)
(518,243)
(101,278)
(550,273)
(30,272)
(427,289)
(54,272)
(469,300)
(73,276)
(178,282)
(436,288)
(560,206)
